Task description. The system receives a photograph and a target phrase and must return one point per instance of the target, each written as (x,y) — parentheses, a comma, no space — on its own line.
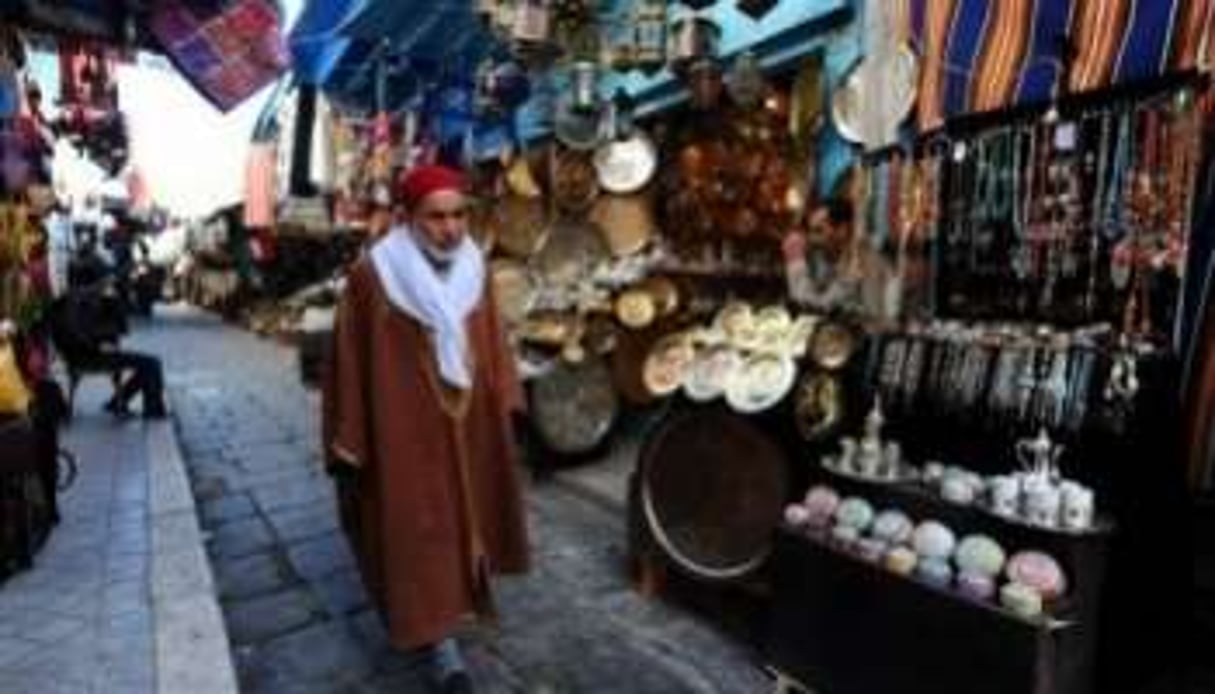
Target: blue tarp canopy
(337,45)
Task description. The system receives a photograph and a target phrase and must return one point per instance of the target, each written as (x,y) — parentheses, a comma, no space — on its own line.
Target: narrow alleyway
(297,617)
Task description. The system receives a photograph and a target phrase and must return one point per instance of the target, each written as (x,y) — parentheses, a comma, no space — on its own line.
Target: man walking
(417,425)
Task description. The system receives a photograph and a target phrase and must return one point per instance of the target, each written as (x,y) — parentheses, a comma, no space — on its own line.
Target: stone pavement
(296,615)
(120,599)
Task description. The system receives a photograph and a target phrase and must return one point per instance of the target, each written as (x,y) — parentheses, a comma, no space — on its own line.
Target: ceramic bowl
(1021,599)
(845,536)
(797,516)
(977,586)
(893,526)
(901,560)
(934,572)
(1039,571)
(855,512)
(871,549)
(979,554)
(821,503)
(932,539)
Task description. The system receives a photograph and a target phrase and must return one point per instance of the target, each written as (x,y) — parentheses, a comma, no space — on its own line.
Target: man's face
(441,220)
(826,231)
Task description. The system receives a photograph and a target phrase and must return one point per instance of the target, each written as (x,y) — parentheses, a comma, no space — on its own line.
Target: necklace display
(1009,376)
(1067,220)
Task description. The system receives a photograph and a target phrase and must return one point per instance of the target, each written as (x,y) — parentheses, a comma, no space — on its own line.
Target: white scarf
(441,302)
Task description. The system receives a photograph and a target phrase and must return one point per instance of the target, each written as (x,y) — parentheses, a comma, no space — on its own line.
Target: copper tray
(713,487)
(818,405)
(575,182)
(571,250)
(521,226)
(574,406)
(627,222)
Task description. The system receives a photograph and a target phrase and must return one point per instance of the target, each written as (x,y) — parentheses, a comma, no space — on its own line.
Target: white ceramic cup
(1078,506)
(1004,493)
(957,489)
(1043,505)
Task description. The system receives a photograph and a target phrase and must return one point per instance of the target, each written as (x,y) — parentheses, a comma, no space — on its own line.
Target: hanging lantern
(584,83)
(487,11)
(693,38)
(616,45)
(650,35)
(746,82)
(755,9)
(531,23)
(619,118)
(704,83)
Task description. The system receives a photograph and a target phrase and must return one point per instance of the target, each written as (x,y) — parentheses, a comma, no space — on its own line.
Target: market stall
(59,96)
(906,329)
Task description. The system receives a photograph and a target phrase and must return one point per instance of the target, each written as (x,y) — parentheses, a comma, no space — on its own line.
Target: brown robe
(435,505)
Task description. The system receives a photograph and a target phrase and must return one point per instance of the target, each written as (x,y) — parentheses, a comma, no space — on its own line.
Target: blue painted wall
(790,32)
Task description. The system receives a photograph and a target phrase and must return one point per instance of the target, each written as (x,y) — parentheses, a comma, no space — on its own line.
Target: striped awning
(979,55)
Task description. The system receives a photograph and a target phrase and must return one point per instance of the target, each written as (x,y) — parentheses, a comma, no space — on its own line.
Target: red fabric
(422,181)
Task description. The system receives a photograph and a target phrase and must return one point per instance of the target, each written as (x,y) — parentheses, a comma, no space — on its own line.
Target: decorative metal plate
(574,406)
(712,490)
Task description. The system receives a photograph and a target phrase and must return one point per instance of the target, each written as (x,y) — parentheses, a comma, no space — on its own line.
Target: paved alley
(296,616)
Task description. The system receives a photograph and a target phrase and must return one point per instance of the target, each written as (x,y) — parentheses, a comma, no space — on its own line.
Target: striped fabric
(980,55)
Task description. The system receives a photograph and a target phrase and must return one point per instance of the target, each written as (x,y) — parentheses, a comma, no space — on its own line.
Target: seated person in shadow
(86,326)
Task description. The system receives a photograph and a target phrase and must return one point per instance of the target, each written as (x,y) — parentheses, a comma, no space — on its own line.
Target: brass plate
(667,363)
(818,405)
(571,250)
(635,308)
(626,166)
(522,224)
(575,183)
(514,290)
(712,488)
(665,293)
(520,180)
(832,345)
(875,97)
(627,222)
(574,406)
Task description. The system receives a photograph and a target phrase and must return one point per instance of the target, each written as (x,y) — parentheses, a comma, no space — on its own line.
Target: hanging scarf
(441,302)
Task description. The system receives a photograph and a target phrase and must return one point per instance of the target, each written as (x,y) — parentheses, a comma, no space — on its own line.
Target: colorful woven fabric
(978,55)
(228,56)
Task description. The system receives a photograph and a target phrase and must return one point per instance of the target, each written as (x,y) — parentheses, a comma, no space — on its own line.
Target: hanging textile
(260,185)
(979,55)
(227,56)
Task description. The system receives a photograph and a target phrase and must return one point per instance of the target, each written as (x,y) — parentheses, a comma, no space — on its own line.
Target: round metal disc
(574,406)
(712,490)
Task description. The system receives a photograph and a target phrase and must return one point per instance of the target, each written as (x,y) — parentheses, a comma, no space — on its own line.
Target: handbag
(14,396)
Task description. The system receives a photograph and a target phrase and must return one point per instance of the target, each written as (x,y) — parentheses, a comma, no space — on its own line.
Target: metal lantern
(755,9)
(618,119)
(693,39)
(531,23)
(704,80)
(745,82)
(650,35)
(584,85)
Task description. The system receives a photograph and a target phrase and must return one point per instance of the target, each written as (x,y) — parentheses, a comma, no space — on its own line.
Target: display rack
(840,620)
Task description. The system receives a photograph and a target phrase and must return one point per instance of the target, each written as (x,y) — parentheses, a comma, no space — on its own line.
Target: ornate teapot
(1039,456)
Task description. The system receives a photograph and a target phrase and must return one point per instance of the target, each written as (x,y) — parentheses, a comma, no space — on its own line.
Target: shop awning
(337,44)
(982,56)
(314,41)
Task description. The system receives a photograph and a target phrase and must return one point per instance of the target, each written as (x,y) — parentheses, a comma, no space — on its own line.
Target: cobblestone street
(296,615)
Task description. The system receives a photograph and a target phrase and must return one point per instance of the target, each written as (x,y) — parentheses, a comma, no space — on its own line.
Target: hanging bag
(14,396)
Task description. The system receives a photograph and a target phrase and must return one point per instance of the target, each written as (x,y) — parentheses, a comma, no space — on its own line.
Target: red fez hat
(421,181)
